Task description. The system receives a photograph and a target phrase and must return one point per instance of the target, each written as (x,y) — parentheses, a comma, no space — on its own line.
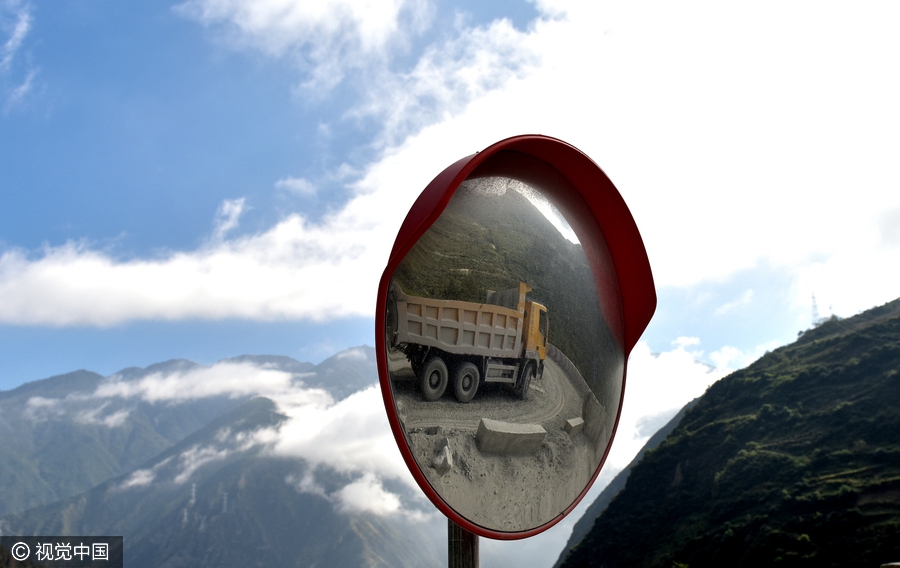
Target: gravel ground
(499,492)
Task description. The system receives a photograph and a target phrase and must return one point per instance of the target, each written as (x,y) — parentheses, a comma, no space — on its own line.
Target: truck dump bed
(461,328)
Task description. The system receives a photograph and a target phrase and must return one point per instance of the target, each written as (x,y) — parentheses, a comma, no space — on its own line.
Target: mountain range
(185,475)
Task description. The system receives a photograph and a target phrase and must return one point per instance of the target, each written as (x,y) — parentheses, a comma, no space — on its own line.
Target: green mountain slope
(54,442)
(793,461)
(207,502)
(583,525)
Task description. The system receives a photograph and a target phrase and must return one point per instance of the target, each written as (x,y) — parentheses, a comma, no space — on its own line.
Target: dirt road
(506,493)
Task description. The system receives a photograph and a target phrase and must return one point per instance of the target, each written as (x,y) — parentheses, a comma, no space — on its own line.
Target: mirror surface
(504,373)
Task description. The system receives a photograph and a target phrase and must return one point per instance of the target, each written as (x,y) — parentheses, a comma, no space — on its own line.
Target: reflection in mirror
(504,372)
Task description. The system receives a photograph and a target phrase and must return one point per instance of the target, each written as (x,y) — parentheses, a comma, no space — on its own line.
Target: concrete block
(574,425)
(505,438)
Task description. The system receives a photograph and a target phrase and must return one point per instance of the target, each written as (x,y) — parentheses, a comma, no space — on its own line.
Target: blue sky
(175,176)
(206,178)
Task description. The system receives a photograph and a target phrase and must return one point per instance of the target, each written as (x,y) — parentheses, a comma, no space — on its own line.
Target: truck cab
(537,331)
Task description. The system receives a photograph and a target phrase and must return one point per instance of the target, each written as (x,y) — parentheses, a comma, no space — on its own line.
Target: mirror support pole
(462,547)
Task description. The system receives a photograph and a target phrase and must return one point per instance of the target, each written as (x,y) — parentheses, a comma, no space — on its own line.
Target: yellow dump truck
(503,340)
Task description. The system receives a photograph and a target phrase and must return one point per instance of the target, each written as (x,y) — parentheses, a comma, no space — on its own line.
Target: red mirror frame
(596,198)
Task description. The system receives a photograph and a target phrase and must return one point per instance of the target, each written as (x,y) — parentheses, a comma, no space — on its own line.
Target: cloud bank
(349,436)
(295,270)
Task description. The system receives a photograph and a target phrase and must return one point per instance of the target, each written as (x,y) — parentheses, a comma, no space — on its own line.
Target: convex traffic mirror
(516,288)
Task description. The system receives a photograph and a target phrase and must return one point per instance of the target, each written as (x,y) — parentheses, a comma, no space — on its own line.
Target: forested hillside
(793,461)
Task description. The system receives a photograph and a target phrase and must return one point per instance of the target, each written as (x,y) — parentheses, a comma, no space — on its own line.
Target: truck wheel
(465,384)
(434,379)
(521,388)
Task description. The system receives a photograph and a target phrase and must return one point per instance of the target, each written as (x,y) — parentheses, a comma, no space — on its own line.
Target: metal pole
(462,547)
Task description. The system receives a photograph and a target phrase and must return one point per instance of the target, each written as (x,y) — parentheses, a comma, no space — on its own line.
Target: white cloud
(15,23)
(724,357)
(447,78)
(227,378)
(115,419)
(745,299)
(300,186)
(40,408)
(144,477)
(332,38)
(295,270)
(328,37)
(227,217)
(18,94)
(350,436)
(890,228)
(658,385)
(222,379)
(306,483)
(354,354)
(139,478)
(730,358)
(367,495)
(849,280)
(92,416)
(686,341)
(195,457)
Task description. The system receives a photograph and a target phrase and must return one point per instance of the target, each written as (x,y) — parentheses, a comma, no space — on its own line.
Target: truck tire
(434,379)
(465,383)
(521,388)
